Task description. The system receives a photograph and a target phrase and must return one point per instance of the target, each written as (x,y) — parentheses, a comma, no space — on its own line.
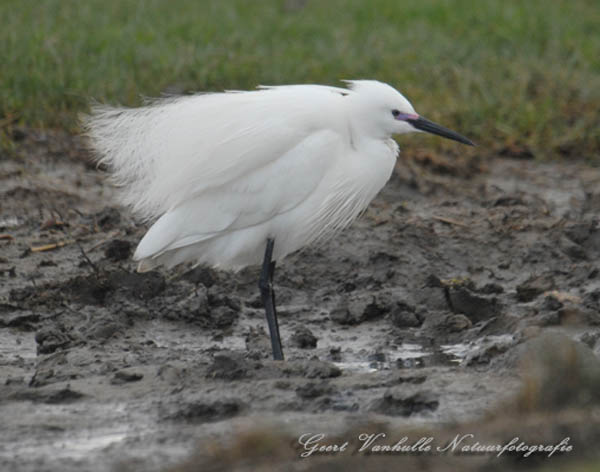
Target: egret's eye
(395,113)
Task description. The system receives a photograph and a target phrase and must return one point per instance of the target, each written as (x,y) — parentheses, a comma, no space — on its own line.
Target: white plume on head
(379,91)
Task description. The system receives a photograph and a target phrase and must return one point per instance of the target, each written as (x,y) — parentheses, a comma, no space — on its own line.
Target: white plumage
(223,172)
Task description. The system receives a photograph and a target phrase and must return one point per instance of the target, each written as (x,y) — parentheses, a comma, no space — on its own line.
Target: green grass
(512,73)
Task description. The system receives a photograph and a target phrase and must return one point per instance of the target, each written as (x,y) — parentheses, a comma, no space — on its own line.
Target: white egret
(240,177)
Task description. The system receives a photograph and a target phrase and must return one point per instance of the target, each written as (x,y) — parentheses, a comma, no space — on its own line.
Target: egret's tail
(119,139)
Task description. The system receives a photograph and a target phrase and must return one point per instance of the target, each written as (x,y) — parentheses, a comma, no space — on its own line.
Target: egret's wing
(175,150)
(248,199)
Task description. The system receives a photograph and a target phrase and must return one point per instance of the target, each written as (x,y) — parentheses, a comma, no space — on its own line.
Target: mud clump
(489,350)
(102,330)
(51,396)
(25,321)
(398,402)
(202,275)
(93,289)
(51,338)
(311,369)
(405,316)
(304,338)
(89,290)
(223,310)
(257,343)
(464,298)
(535,286)
(144,286)
(229,367)
(456,323)
(311,390)
(122,377)
(476,307)
(206,411)
(357,308)
(118,250)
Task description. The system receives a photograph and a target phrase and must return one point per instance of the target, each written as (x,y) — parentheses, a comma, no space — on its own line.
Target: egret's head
(384,111)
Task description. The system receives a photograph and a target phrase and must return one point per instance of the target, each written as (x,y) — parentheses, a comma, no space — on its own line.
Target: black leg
(265,284)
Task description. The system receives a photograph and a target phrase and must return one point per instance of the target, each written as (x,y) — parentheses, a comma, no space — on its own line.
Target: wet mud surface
(417,316)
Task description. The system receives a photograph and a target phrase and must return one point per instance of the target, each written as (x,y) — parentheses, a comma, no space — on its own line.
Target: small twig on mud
(51,246)
(450,221)
(87,259)
(83,253)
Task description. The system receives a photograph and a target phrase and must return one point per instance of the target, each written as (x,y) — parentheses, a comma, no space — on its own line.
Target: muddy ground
(465,300)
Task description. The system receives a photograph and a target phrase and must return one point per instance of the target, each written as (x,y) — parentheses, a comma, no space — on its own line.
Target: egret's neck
(369,167)
(366,132)
(376,146)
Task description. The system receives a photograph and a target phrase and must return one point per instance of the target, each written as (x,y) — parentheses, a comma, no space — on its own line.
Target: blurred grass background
(518,77)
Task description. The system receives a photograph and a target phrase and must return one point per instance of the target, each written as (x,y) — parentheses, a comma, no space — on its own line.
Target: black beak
(424,124)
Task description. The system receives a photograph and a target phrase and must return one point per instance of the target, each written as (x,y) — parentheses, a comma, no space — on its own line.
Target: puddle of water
(456,351)
(357,366)
(411,351)
(413,356)
(70,446)
(407,355)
